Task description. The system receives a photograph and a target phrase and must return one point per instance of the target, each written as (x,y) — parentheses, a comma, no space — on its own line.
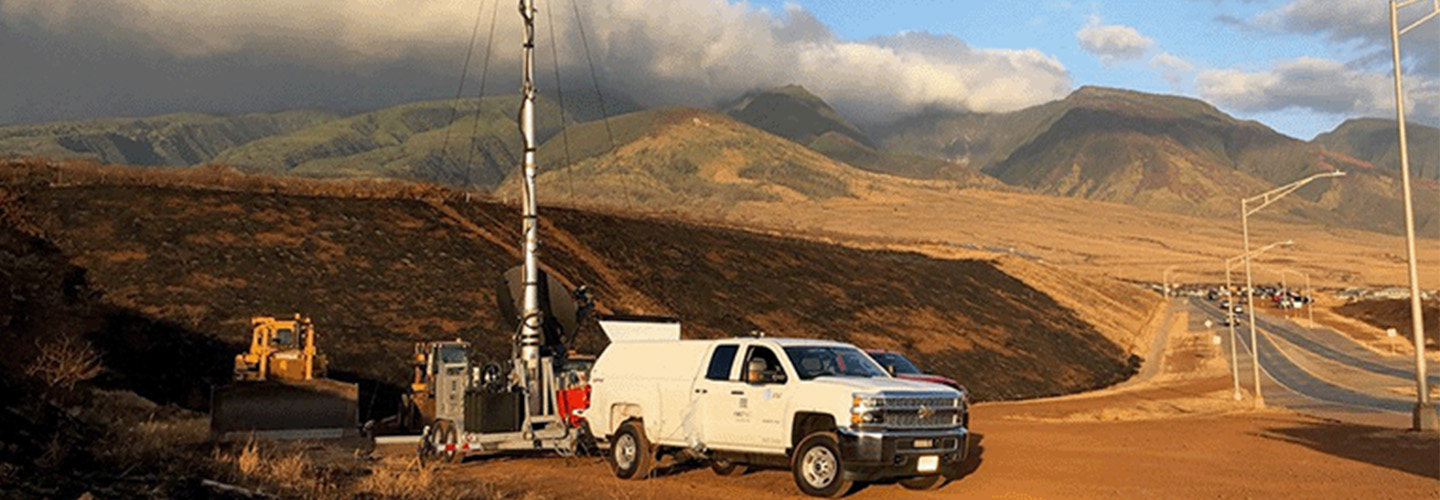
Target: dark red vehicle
(901,367)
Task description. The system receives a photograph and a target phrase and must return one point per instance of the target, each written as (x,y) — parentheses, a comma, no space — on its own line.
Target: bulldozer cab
(280,349)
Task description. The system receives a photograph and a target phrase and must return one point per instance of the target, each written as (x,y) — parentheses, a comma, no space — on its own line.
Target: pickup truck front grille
(919,411)
(913,419)
(917,401)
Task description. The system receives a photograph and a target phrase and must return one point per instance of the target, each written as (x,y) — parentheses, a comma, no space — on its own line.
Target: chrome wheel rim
(819,467)
(625,451)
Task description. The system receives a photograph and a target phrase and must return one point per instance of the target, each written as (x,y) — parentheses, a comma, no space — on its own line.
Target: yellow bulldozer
(280,390)
(280,350)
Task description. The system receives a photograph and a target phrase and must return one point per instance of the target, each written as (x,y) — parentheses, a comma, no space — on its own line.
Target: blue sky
(1300,66)
(1208,34)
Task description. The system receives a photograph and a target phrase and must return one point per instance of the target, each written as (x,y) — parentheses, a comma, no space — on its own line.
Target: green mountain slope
(684,159)
(439,141)
(793,113)
(167,140)
(1376,141)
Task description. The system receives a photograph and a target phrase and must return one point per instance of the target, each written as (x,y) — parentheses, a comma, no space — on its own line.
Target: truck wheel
(923,482)
(816,466)
(727,467)
(630,453)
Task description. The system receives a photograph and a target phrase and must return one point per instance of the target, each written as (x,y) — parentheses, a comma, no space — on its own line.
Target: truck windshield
(452,355)
(902,365)
(820,361)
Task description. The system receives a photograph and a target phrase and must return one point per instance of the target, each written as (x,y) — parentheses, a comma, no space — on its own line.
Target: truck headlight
(861,402)
(867,418)
(864,410)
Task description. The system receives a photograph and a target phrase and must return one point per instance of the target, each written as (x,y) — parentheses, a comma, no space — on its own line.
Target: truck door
(761,414)
(714,399)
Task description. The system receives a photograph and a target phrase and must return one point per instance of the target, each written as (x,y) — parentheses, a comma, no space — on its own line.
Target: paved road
(1288,358)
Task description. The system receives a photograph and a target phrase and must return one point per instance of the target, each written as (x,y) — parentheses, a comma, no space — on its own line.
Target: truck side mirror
(890,369)
(775,377)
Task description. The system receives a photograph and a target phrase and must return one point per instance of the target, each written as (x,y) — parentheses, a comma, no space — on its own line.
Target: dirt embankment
(1395,313)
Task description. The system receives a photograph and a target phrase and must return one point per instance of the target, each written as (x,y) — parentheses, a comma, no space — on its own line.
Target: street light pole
(1250,302)
(1230,312)
(1309,293)
(1424,416)
(1264,200)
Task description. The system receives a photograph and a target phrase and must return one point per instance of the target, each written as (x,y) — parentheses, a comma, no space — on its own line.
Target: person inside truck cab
(763,367)
(755,371)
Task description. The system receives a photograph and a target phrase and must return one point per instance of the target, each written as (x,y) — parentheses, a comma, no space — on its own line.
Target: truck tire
(816,466)
(727,467)
(631,454)
(923,483)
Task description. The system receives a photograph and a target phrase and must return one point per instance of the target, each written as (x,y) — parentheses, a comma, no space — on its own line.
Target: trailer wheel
(446,435)
(631,454)
(816,466)
(727,467)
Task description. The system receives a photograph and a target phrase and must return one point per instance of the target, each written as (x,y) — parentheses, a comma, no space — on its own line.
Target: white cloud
(1172,68)
(1113,42)
(1364,23)
(658,51)
(1320,85)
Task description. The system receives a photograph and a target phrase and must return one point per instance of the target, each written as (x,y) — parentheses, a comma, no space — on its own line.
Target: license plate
(929,463)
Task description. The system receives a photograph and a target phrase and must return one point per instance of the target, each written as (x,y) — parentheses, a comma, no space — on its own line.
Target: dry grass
(329,472)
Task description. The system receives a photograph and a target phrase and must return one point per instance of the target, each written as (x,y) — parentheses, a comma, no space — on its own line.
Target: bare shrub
(64,361)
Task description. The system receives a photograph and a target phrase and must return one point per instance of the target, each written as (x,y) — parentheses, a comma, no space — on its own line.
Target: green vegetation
(444,141)
(179,139)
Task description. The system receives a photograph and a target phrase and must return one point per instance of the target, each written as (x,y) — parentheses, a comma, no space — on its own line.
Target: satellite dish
(557,305)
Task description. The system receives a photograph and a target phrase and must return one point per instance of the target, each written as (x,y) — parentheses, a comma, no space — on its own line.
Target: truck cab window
(721,361)
(763,367)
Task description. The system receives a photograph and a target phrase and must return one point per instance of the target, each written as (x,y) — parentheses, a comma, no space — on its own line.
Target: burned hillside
(378,273)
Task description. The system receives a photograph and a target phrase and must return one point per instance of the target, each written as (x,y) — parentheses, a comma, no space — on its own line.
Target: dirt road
(1019,454)
(1176,436)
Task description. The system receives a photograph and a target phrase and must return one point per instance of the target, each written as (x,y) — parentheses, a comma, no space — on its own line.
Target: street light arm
(1268,197)
(1256,252)
(1434,11)
(1420,21)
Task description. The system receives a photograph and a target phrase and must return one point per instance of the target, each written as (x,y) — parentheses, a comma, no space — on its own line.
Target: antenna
(530,315)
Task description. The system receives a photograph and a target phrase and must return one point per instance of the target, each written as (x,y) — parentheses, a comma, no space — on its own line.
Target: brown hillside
(379,273)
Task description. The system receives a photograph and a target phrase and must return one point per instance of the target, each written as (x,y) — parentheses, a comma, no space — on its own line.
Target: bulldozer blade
(312,409)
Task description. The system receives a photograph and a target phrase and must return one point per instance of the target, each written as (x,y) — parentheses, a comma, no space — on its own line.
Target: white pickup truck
(823,409)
